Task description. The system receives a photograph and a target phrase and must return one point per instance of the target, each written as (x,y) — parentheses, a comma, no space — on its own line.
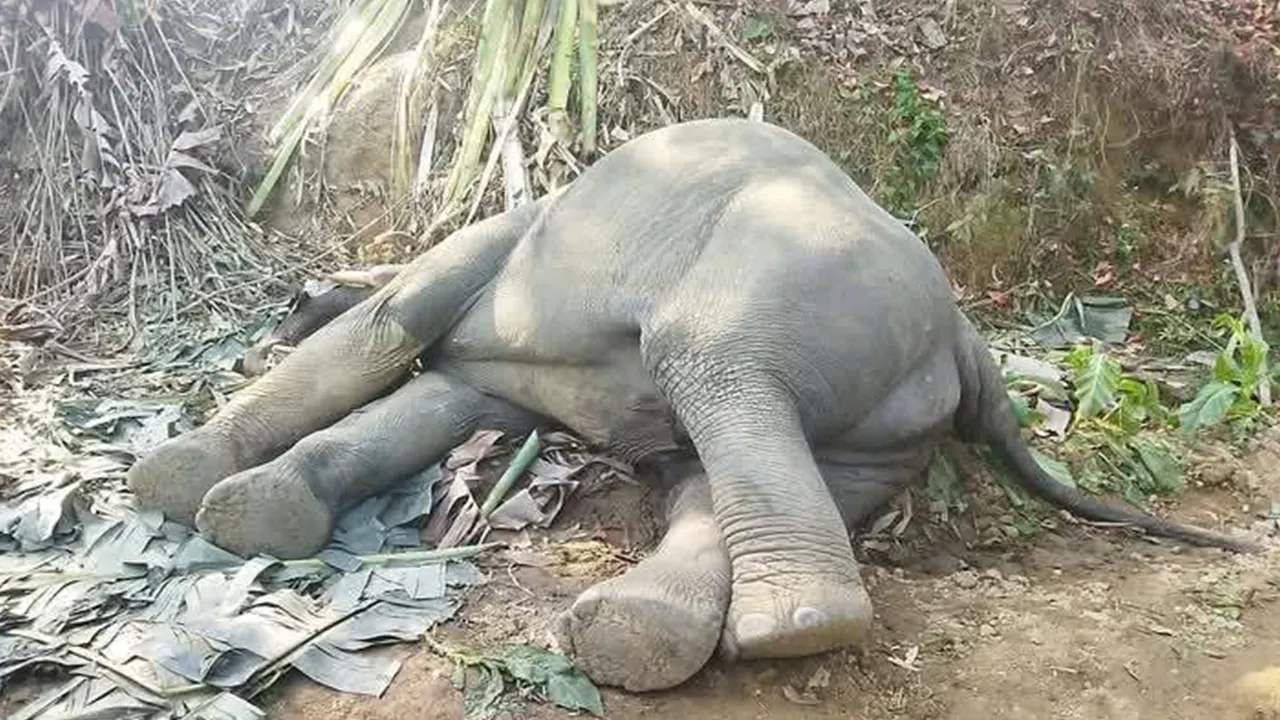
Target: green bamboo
(493,28)
(415,557)
(344,41)
(587,81)
(374,39)
(501,134)
(402,156)
(528,451)
(371,40)
(478,120)
(278,164)
(530,21)
(561,60)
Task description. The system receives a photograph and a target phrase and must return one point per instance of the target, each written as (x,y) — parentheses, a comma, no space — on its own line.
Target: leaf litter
(146,618)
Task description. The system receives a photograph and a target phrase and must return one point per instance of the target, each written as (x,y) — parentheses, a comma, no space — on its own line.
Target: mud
(1077,622)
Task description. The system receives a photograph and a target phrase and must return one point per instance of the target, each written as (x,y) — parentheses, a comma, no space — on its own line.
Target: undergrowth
(1127,432)
(916,140)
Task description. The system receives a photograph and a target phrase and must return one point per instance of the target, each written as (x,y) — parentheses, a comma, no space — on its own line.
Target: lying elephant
(717,295)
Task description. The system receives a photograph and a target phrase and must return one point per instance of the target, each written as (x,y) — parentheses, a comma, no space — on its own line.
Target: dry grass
(1081,134)
(122,180)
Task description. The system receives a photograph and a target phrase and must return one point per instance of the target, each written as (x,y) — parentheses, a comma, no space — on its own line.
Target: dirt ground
(1080,622)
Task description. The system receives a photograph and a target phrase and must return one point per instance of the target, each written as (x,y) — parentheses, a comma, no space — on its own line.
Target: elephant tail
(987,416)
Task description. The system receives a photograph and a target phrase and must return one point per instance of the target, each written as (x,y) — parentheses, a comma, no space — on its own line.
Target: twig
(714,30)
(1242,277)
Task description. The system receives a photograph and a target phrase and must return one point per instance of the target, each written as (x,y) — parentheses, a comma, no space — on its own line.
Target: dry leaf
(197,138)
(798,697)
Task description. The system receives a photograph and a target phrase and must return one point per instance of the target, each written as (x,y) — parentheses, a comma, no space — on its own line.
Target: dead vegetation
(1072,143)
(125,136)
(1041,147)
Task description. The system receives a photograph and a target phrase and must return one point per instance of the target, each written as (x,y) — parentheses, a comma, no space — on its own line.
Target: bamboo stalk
(419,557)
(493,27)
(530,22)
(402,155)
(587,81)
(344,41)
(369,39)
(502,134)
(1242,277)
(561,62)
(468,155)
(528,451)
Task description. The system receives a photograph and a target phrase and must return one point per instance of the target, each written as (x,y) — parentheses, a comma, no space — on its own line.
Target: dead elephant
(718,289)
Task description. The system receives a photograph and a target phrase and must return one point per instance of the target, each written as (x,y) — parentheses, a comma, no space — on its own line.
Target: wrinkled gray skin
(717,291)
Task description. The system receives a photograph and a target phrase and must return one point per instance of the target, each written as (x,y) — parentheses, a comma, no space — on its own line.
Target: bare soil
(1080,622)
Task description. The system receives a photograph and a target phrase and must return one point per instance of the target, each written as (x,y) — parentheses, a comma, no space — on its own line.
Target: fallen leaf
(799,698)
(191,139)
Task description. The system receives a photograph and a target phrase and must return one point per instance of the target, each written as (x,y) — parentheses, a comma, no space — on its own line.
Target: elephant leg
(345,364)
(796,586)
(656,625)
(286,507)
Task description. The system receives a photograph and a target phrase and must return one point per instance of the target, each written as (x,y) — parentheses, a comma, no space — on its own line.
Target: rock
(966,579)
(987,630)
(934,38)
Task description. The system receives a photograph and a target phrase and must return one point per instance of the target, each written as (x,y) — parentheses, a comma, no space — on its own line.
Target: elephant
(716,298)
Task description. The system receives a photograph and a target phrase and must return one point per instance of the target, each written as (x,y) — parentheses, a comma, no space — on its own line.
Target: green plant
(1231,393)
(490,680)
(1109,400)
(917,137)
(1118,429)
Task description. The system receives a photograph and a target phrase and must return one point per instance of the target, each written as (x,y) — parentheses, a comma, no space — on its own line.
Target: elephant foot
(795,616)
(176,474)
(655,626)
(265,511)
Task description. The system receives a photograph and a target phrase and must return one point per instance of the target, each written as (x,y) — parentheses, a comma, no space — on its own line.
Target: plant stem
(561,60)
(587,85)
(485,88)
(527,453)
(419,557)
(1242,277)
(530,21)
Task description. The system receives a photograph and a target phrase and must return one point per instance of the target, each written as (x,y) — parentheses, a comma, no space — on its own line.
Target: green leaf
(564,684)
(481,696)
(1103,318)
(1096,385)
(1046,387)
(1022,409)
(1056,469)
(1225,369)
(1165,471)
(575,691)
(1253,363)
(1208,407)
(943,485)
(755,28)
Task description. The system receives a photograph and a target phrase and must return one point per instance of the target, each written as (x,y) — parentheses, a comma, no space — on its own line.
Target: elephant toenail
(754,626)
(806,618)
